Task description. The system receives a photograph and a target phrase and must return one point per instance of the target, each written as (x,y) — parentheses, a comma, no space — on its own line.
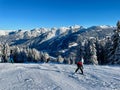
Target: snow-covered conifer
(116,45)
(90,52)
(6,52)
(36,55)
(60,59)
(45,57)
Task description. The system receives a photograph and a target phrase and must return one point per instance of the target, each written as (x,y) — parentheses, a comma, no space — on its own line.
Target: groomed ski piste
(48,76)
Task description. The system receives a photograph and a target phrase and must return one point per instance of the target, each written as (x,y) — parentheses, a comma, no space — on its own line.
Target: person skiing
(11,57)
(80,65)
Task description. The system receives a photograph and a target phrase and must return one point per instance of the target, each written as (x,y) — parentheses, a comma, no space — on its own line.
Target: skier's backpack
(79,63)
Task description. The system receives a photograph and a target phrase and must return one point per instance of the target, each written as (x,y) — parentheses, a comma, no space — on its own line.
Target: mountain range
(55,39)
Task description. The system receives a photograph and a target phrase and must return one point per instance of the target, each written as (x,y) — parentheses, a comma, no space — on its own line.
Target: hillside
(58,77)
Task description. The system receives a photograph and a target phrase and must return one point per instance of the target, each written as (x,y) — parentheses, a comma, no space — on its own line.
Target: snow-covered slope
(58,77)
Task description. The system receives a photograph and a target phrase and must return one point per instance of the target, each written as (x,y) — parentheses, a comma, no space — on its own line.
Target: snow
(73,45)
(105,26)
(2,32)
(58,77)
(76,27)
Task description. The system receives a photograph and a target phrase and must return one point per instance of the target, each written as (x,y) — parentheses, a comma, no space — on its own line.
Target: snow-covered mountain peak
(4,32)
(105,26)
(57,31)
(75,27)
(63,28)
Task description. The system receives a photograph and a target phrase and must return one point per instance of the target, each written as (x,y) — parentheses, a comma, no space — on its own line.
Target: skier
(80,65)
(11,57)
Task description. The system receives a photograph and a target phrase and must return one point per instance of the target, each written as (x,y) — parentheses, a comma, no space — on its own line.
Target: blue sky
(29,14)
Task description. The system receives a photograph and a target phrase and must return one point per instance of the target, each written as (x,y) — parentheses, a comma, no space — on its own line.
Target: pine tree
(36,55)
(108,50)
(80,51)
(115,39)
(24,54)
(90,52)
(19,56)
(87,52)
(116,47)
(1,53)
(6,52)
(113,54)
(93,57)
(60,59)
(100,51)
(16,56)
(45,56)
(30,55)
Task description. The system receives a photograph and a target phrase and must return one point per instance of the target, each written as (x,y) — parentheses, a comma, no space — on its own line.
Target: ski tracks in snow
(58,77)
(96,77)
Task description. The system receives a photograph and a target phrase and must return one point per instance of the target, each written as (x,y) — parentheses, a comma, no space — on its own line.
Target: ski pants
(79,67)
(11,60)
